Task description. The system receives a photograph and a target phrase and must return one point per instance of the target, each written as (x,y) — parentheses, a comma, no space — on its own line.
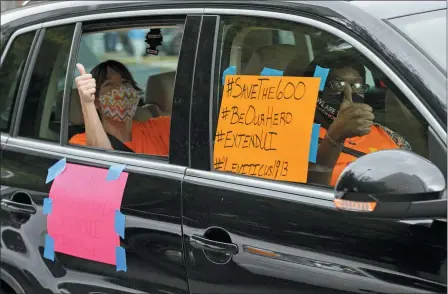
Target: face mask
(328,105)
(120,104)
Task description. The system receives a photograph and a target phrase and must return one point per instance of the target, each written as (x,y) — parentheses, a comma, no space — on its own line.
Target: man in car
(348,130)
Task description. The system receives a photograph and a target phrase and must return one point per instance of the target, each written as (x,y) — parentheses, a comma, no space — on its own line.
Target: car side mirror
(396,184)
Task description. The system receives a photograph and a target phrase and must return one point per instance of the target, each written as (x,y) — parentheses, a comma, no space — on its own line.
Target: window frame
(23,74)
(26,78)
(312,191)
(83,154)
(95,26)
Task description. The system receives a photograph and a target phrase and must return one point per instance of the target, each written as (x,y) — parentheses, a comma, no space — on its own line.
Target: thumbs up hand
(86,85)
(354,119)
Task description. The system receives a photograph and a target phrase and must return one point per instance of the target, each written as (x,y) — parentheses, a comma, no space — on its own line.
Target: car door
(151,200)
(246,234)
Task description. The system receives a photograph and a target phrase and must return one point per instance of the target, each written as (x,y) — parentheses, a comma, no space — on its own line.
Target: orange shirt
(151,137)
(376,140)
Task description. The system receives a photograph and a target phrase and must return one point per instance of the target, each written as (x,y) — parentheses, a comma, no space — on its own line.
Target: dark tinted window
(10,75)
(428,31)
(43,105)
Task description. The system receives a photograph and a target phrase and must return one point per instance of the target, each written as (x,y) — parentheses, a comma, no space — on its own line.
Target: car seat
(159,93)
(276,56)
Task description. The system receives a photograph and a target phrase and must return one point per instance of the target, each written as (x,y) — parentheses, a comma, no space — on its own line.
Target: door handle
(17,207)
(214,246)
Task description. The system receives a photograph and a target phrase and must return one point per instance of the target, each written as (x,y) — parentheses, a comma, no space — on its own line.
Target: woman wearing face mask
(347,124)
(109,100)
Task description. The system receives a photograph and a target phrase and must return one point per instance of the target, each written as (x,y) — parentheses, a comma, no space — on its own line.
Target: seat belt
(118,145)
(350,151)
(353,152)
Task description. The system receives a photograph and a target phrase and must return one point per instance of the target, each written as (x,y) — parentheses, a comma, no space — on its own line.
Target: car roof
(45,11)
(394,9)
(53,6)
(378,9)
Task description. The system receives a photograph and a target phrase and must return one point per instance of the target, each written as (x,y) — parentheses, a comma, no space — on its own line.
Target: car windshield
(428,31)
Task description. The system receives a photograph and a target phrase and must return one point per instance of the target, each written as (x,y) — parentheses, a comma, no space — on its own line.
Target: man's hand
(86,85)
(354,119)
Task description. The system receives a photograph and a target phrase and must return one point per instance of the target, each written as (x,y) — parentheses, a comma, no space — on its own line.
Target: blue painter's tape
(271,72)
(49,248)
(48,205)
(56,170)
(314,143)
(115,172)
(119,223)
(231,70)
(120,258)
(322,73)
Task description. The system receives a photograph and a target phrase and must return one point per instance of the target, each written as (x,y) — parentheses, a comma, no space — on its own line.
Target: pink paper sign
(81,221)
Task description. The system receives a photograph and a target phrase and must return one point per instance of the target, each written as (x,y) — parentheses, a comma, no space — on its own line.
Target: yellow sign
(264,126)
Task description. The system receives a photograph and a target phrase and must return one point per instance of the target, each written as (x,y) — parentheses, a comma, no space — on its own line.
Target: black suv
(188,227)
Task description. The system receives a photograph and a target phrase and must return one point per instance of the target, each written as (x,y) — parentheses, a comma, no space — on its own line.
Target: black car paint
(151,203)
(317,248)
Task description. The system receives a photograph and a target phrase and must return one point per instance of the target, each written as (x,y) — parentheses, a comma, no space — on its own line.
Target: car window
(428,31)
(150,74)
(43,102)
(286,37)
(390,120)
(10,75)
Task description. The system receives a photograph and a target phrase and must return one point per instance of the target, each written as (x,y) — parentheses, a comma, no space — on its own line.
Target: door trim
(98,157)
(68,83)
(98,16)
(4,138)
(321,196)
(123,14)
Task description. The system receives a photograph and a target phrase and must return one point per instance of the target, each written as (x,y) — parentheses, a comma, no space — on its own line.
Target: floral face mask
(120,104)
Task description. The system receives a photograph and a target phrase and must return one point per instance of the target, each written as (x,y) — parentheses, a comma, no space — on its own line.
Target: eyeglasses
(339,86)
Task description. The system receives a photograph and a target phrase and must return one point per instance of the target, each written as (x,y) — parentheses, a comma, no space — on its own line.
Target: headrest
(160,90)
(297,66)
(273,56)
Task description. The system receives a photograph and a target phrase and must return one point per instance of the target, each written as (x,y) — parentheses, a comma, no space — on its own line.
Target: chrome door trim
(288,191)
(138,163)
(99,16)
(441,132)
(123,14)
(4,138)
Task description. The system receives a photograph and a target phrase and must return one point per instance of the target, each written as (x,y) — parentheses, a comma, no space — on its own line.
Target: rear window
(428,31)
(10,75)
